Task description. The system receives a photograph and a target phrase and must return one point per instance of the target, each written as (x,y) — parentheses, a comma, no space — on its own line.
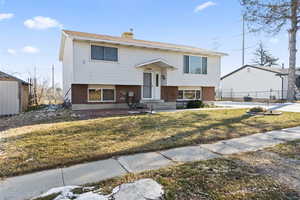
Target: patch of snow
(139,190)
(92,196)
(143,189)
(59,190)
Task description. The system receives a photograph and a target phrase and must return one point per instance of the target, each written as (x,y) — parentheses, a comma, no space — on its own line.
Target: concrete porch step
(161,105)
(154,101)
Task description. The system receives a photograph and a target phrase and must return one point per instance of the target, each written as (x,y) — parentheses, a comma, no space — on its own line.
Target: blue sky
(30,30)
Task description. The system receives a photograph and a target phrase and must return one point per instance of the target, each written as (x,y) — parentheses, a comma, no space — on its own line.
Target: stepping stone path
(27,186)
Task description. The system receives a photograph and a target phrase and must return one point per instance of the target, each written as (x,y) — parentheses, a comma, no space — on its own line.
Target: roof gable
(8,76)
(268,69)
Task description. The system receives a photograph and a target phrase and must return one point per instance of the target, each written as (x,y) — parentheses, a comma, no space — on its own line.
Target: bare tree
(272,16)
(42,90)
(263,57)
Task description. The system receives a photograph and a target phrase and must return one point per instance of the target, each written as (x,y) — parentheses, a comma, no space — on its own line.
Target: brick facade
(122,91)
(80,94)
(169,93)
(208,93)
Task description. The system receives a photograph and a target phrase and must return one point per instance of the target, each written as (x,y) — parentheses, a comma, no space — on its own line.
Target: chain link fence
(252,95)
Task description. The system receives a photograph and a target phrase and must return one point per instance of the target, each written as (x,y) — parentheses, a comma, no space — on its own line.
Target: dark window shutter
(186,64)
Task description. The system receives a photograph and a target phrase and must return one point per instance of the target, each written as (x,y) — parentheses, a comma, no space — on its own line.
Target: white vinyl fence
(9,98)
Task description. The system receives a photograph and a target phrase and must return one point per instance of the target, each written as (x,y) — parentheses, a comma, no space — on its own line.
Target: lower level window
(94,94)
(100,94)
(189,94)
(108,95)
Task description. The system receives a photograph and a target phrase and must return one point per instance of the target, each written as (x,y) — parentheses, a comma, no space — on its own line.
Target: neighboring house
(14,94)
(104,72)
(255,81)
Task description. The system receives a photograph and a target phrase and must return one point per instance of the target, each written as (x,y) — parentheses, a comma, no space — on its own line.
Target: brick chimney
(128,34)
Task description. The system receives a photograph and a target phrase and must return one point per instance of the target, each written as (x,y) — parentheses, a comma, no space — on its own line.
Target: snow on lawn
(141,189)
(64,191)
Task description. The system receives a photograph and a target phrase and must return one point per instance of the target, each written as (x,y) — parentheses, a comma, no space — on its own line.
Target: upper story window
(195,65)
(104,53)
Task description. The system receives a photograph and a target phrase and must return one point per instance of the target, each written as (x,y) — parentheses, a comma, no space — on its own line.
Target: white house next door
(151,85)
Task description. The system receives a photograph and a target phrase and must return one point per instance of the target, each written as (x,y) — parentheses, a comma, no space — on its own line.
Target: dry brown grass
(217,179)
(44,146)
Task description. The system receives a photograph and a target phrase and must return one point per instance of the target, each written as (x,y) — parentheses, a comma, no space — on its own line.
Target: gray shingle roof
(272,69)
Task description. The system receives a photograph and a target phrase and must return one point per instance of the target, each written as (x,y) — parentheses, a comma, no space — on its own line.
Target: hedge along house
(104,72)
(14,95)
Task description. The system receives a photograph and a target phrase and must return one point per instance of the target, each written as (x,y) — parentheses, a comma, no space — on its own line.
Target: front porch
(155,77)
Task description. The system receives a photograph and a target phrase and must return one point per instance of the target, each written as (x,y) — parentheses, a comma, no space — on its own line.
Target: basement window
(94,95)
(189,94)
(101,95)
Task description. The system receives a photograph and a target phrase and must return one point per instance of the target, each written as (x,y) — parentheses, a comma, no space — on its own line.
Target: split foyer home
(106,72)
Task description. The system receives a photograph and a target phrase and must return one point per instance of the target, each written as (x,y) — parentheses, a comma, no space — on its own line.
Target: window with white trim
(189,94)
(101,95)
(194,65)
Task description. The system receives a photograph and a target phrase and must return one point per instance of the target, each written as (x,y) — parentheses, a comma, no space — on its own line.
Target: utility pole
(243,45)
(34,87)
(53,89)
(282,66)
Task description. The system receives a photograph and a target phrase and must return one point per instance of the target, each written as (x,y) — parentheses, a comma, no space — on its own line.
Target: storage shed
(14,94)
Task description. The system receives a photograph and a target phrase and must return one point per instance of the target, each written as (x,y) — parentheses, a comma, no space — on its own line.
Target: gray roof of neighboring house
(276,70)
(5,75)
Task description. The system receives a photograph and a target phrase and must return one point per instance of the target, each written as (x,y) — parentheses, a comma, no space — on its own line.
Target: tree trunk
(292,51)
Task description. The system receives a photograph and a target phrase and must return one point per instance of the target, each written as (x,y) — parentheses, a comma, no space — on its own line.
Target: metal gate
(9,98)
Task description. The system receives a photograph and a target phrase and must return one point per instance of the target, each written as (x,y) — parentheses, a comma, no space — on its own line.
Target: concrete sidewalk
(30,185)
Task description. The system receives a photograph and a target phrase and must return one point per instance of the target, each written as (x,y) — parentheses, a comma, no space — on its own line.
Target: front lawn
(36,147)
(287,150)
(217,179)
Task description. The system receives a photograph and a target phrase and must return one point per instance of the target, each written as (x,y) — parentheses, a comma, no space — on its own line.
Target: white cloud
(204,5)
(40,23)
(12,51)
(274,40)
(6,16)
(30,49)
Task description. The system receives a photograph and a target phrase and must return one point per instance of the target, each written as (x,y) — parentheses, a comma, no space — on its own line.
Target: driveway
(288,107)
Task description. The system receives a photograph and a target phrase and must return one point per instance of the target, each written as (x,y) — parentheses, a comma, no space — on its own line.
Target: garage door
(9,100)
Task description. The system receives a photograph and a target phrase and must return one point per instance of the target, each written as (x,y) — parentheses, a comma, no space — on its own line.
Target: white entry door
(151,85)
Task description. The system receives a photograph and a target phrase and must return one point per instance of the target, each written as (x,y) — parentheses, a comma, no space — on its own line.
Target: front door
(151,85)
(147,85)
